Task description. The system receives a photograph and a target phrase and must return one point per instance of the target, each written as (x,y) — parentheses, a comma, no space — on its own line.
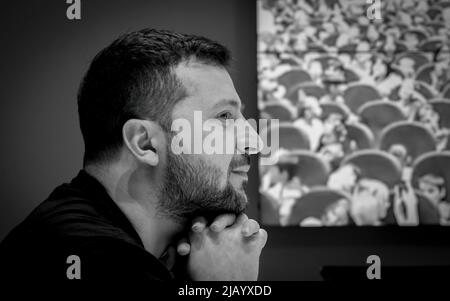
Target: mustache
(240,160)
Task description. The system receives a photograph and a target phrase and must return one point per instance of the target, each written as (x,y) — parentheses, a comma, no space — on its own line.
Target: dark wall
(43,57)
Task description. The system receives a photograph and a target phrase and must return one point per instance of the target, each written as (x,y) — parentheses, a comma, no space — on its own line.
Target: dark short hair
(290,168)
(133,78)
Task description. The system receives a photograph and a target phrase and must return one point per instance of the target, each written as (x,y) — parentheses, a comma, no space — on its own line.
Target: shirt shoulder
(82,221)
(69,211)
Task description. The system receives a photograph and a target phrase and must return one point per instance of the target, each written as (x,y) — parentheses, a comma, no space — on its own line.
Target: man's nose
(247,139)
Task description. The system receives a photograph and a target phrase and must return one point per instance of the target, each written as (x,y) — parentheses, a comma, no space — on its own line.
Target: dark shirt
(78,218)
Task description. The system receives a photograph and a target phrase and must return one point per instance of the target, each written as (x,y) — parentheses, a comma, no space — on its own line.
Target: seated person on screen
(400,152)
(344,178)
(308,119)
(370,203)
(430,118)
(281,185)
(405,204)
(332,140)
(433,187)
(335,214)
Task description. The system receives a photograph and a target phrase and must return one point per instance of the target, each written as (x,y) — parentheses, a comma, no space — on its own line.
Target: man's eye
(225,115)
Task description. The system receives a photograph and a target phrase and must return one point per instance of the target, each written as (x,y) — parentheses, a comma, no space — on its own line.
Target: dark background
(43,58)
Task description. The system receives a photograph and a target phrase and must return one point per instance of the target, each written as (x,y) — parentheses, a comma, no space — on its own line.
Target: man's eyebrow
(229,102)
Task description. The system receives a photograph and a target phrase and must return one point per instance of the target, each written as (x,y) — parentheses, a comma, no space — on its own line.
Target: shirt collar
(94,188)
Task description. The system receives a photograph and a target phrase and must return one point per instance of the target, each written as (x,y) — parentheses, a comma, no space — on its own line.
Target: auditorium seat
(420,34)
(350,76)
(427,91)
(442,107)
(376,164)
(331,40)
(293,77)
(378,114)
(418,58)
(358,94)
(436,163)
(394,94)
(361,134)
(400,47)
(349,49)
(435,25)
(316,48)
(314,203)
(312,170)
(431,45)
(414,136)
(423,74)
(276,110)
(289,61)
(309,88)
(290,137)
(332,107)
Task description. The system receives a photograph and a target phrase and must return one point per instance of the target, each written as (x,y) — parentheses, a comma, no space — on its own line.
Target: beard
(192,188)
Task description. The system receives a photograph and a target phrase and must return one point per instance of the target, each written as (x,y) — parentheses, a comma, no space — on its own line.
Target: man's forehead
(207,86)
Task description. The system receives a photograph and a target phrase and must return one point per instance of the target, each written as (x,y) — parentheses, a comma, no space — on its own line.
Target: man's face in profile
(199,183)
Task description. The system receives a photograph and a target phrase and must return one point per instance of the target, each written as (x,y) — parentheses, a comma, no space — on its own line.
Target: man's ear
(143,139)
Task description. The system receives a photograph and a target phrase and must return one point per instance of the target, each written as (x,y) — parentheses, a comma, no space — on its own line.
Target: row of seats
(387,79)
(373,164)
(414,136)
(355,97)
(377,114)
(421,64)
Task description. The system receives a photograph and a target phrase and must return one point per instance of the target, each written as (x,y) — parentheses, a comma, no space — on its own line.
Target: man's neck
(139,204)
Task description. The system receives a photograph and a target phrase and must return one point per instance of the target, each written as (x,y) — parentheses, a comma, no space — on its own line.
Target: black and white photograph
(224,149)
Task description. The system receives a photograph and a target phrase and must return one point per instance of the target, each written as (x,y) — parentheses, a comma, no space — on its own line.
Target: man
(370,202)
(433,188)
(135,199)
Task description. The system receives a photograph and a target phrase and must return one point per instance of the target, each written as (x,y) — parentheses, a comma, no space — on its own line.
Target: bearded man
(135,202)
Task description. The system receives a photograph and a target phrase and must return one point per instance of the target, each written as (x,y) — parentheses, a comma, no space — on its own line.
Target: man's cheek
(220,163)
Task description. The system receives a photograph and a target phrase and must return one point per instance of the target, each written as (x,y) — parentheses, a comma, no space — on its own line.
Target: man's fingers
(222,221)
(199,224)
(183,247)
(262,235)
(250,227)
(240,220)
(260,238)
